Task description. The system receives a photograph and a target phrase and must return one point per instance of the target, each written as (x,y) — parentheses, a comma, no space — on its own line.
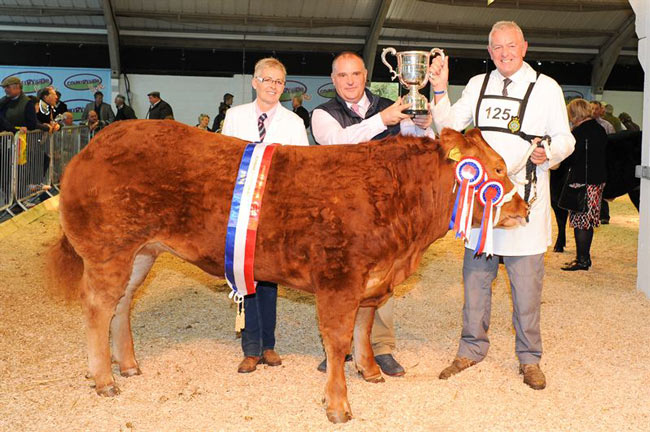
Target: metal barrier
(33,166)
(66,143)
(7,173)
(33,163)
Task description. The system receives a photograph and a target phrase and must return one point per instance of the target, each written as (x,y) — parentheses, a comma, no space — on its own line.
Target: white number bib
(498,113)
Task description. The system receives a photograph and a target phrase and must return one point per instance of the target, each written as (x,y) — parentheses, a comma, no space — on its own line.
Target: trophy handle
(435,51)
(392,51)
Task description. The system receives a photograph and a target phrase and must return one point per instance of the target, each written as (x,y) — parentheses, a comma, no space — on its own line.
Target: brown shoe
(271,358)
(249,364)
(533,376)
(458,365)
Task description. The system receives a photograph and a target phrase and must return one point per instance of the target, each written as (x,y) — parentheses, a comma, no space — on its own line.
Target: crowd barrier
(32,163)
(7,172)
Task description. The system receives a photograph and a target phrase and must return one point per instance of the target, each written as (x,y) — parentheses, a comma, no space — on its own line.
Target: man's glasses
(269,81)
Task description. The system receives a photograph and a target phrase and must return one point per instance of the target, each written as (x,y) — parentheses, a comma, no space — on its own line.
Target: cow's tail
(64,270)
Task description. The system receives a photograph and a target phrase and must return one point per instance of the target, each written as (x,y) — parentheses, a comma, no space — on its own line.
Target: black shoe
(587,261)
(389,365)
(577,265)
(604,221)
(558,248)
(322,367)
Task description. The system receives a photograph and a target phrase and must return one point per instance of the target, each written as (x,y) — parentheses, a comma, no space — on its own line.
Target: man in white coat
(263,120)
(514,106)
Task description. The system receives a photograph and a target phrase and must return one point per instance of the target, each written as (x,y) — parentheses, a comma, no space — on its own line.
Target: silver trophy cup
(412,71)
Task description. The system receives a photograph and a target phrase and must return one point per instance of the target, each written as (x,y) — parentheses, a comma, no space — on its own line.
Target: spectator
(217,125)
(204,121)
(102,109)
(45,109)
(68,119)
(626,119)
(300,110)
(39,125)
(610,117)
(587,165)
(94,123)
(124,112)
(263,120)
(597,111)
(17,108)
(60,107)
(159,109)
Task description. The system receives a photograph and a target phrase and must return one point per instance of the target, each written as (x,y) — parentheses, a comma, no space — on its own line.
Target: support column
(113,39)
(642,10)
(370,50)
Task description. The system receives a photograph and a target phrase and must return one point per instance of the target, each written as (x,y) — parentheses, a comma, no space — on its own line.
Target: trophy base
(413,112)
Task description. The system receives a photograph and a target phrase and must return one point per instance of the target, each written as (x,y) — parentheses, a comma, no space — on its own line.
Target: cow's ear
(452,144)
(474,137)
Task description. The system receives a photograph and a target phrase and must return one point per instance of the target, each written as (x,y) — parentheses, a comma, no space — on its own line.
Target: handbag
(573,196)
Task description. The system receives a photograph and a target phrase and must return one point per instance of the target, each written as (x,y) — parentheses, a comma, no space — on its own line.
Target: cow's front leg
(336,313)
(364,358)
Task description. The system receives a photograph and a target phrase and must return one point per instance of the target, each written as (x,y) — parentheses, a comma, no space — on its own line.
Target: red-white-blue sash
(244,217)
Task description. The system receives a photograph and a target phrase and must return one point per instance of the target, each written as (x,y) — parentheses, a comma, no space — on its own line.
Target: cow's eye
(500,171)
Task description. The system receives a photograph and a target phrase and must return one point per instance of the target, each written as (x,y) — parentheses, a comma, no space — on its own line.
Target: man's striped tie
(260,126)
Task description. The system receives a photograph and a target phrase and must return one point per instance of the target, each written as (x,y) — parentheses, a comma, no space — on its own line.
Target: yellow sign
(490,2)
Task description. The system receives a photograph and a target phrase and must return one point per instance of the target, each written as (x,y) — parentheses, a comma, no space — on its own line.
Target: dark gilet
(338,109)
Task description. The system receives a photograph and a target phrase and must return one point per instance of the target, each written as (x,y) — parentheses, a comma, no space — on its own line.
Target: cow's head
(456,145)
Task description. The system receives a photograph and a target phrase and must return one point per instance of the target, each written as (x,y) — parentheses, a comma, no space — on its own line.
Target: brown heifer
(347,223)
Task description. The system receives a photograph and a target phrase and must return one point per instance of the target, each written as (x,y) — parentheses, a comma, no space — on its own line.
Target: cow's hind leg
(103,286)
(336,313)
(363,355)
(121,334)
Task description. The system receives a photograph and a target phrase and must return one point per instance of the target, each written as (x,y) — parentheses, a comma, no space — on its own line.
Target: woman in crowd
(204,121)
(587,166)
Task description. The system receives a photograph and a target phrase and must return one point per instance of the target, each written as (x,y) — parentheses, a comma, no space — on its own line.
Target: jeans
(260,314)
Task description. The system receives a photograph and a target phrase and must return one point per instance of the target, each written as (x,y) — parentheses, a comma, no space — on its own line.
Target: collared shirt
(545,115)
(609,128)
(327,130)
(269,114)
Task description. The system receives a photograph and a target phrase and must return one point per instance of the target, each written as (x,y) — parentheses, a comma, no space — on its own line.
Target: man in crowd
(626,119)
(597,112)
(101,108)
(300,110)
(94,123)
(611,118)
(263,120)
(68,119)
(60,107)
(16,108)
(217,125)
(512,85)
(124,112)
(356,115)
(159,109)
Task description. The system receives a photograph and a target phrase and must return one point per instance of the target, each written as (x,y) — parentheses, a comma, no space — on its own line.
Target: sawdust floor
(595,327)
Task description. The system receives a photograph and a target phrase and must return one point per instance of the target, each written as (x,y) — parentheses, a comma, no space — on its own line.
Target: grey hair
(500,25)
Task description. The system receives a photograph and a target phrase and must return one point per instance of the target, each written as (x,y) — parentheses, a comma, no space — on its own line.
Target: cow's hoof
(339,416)
(128,373)
(375,379)
(110,390)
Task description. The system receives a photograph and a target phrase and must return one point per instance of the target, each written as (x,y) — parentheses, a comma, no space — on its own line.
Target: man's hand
(393,114)
(439,73)
(423,121)
(538,156)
